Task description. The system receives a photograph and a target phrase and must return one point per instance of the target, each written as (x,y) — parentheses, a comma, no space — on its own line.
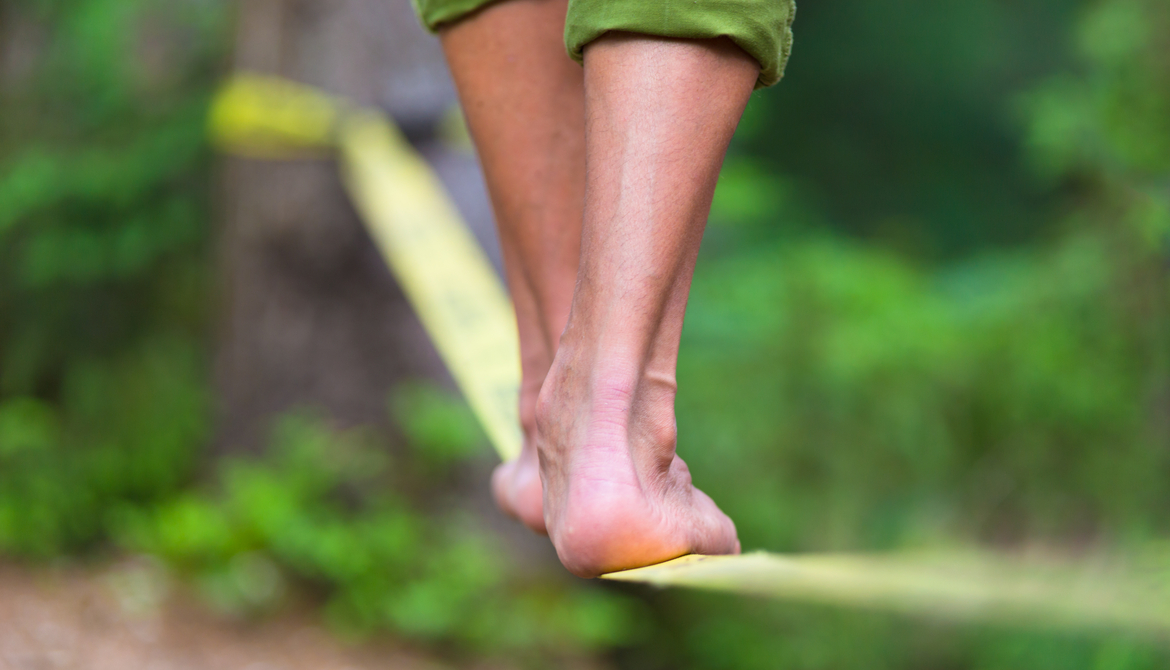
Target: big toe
(518,493)
(711,531)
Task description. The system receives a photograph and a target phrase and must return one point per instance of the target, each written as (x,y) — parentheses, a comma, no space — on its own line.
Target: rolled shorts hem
(434,14)
(762,28)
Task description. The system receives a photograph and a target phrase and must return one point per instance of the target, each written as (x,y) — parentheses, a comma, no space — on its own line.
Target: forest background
(932,310)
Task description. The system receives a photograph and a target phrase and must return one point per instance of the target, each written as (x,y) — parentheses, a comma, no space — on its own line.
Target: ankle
(587,405)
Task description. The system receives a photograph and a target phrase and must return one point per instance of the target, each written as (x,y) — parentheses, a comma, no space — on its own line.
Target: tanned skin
(601,178)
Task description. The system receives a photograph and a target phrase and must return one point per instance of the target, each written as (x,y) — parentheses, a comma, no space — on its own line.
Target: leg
(659,116)
(524,101)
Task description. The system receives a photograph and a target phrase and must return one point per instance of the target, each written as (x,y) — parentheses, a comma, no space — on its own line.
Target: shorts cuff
(435,13)
(762,28)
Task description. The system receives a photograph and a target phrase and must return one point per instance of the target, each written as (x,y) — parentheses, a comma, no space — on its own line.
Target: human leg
(524,102)
(659,116)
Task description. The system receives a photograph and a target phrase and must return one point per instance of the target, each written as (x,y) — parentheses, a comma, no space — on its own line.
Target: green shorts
(762,28)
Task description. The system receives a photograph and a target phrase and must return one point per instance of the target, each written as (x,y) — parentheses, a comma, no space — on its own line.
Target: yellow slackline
(468,315)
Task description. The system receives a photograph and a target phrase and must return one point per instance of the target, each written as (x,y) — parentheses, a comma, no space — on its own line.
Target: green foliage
(1116,117)
(329,510)
(1009,398)
(888,405)
(103,262)
(891,119)
(440,432)
(103,194)
(125,431)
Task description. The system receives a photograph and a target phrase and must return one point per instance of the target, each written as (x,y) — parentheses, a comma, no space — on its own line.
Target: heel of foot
(611,527)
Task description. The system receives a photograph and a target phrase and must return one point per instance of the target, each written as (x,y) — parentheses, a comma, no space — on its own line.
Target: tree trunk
(311,317)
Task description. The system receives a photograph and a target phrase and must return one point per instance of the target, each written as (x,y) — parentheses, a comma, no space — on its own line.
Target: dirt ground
(129,617)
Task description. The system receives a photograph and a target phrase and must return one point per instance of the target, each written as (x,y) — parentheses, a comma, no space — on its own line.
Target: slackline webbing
(466,311)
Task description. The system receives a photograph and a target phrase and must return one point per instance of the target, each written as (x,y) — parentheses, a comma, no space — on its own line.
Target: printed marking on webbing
(450,281)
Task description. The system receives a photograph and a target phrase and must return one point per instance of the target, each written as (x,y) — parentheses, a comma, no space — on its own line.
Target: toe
(517,491)
(501,479)
(713,532)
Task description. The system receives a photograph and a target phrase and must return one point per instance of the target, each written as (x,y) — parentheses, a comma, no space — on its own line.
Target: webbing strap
(467,314)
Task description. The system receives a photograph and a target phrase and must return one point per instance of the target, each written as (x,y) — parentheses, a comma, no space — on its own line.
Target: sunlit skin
(601,179)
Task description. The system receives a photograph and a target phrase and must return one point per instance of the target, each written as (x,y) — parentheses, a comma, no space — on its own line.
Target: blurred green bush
(104,261)
(331,510)
(835,395)
(1007,398)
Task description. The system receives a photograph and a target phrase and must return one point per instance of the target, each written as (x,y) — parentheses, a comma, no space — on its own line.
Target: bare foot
(616,494)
